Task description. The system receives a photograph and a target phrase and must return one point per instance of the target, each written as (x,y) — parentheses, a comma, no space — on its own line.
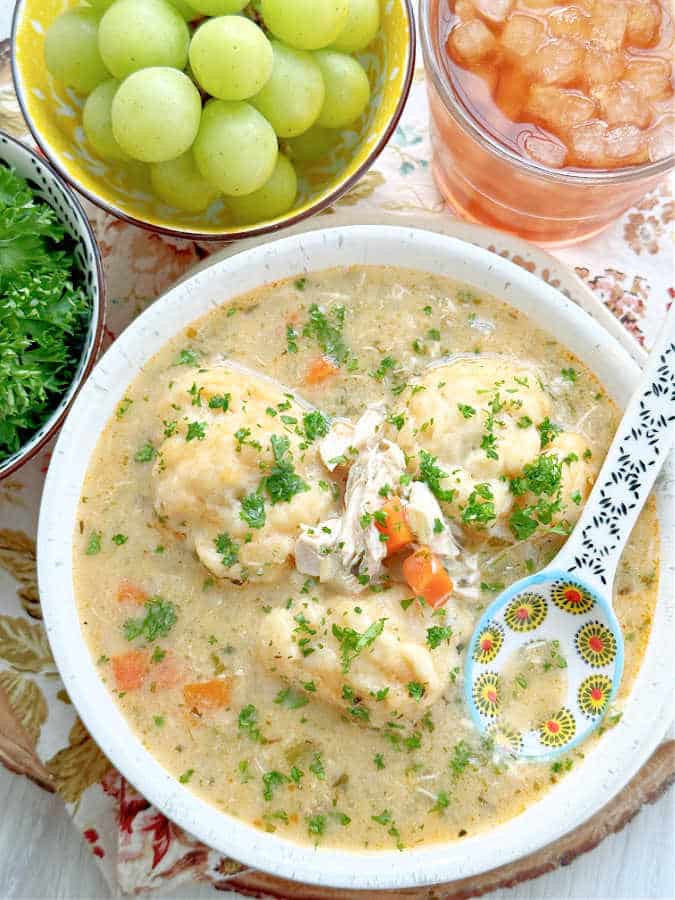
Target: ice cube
(465,10)
(621,104)
(651,77)
(570,21)
(471,41)
(609,21)
(559,109)
(626,143)
(511,93)
(601,66)
(644,19)
(545,150)
(661,139)
(522,35)
(494,10)
(587,143)
(558,62)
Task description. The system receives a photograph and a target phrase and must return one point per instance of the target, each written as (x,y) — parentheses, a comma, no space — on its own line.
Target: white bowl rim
(566,805)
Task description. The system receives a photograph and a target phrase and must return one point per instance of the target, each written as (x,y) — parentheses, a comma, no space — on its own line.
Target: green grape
(313,143)
(292,99)
(236,148)
(97,121)
(363,23)
(230,57)
(347,89)
(186,11)
(156,114)
(305,24)
(71,50)
(136,34)
(218,7)
(178,183)
(275,197)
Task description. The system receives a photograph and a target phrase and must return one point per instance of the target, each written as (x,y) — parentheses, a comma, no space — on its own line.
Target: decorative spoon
(570,601)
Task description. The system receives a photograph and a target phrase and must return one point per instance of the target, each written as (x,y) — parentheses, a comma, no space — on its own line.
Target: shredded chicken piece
(344,437)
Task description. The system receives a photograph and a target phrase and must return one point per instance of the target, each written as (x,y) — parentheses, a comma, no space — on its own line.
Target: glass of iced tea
(549,119)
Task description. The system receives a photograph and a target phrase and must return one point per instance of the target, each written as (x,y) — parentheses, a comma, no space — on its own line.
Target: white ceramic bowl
(607,767)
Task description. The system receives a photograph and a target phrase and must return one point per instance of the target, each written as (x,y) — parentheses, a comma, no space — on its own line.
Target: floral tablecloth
(629,268)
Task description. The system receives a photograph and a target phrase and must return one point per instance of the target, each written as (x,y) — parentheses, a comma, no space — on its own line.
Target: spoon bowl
(570,601)
(548,606)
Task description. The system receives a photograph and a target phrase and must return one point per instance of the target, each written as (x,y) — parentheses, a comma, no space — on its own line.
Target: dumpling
(577,475)
(478,417)
(236,474)
(398,672)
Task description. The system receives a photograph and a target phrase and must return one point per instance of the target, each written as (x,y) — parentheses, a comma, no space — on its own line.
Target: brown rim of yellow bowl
(52,424)
(248,232)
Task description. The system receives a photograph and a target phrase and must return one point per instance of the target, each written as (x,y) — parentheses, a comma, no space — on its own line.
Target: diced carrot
(205,696)
(427,577)
(128,592)
(395,527)
(130,670)
(320,369)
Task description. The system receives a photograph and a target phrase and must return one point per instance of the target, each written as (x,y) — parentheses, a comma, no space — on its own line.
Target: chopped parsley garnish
(300,283)
(291,339)
(494,588)
(282,484)
(169,427)
(433,334)
(398,421)
(315,425)
(146,453)
(439,527)
(187,357)
(253,510)
(196,431)
(489,438)
(120,539)
(384,818)
(460,759)
(160,617)
(352,643)
(243,438)
(220,401)
(93,544)
(316,825)
(442,802)
(432,476)
(524,422)
(387,363)
(159,720)
(378,759)
(547,432)
(248,723)
(466,410)
(228,550)
(186,776)
(569,374)
(576,498)
(196,394)
(480,508)
(296,775)
(437,634)
(271,781)
(326,329)
(124,407)
(316,767)
(541,478)
(157,655)
(291,699)
(416,690)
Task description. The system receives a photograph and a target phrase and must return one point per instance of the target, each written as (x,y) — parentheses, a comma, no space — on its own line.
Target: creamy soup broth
(294,743)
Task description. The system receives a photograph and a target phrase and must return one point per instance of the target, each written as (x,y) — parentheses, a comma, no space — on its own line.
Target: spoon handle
(635,457)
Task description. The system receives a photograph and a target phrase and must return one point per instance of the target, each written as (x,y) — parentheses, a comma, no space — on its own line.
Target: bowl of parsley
(52,298)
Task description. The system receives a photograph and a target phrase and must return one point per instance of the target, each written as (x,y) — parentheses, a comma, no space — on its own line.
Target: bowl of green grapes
(212,119)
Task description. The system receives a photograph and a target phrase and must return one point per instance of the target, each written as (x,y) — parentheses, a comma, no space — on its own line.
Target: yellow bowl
(53,113)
